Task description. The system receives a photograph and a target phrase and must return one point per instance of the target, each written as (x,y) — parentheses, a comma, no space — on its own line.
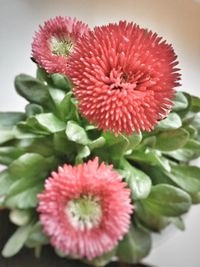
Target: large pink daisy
(85,209)
(125,77)
(55,41)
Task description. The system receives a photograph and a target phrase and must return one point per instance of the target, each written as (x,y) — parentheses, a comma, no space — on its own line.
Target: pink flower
(55,41)
(85,209)
(125,77)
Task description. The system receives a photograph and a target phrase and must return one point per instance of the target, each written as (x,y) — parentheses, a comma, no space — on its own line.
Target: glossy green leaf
(138,181)
(195,103)
(24,199)
(62,145)
(43,76)
(20,217)
(193,145)
(149,220)
(76,133)
(16,241)
(178,222)
(6,135)
(195,198)
(120,145)
(99,142)
(36,236)
(32,89)
(83,152)
(68,108)
(167,200)
(187,177)
(9,119)
(25,131)
(5,183)
(57,96)
(171,140)
(183,154)
(150,157)
(33,109)
(104,259)
(158,175)
(180,102)
(9,153)
(173,121)
(46,122)
(135,245)
(61,81)
(28,165)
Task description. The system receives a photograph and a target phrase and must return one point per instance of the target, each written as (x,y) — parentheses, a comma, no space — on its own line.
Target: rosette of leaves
(51,132)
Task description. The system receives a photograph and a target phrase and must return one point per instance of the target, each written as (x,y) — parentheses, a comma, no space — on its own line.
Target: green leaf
(99,142)
(20,217)
(24,131)
(104,259)
(180,102)
(6,135)
(193,145)
(158,175)
(178,222)
(47,122)
(183,154)
(173,121)
(167,200)
(68,108)
(151,157)
(83,152)
(61,81)
(42,146)
(76,133)
(37,236)
(9,153)
(57,96)
(149,220)
(62,145)
(171,140)
(135,245)
(5,183)
(43,76)
(147,142)
(32,89)
(138,181)
(33,109)
(16,241)
(9,119)
(25,199)
(187,177)
(120,145)
(195,103)
(195,198)
(28,165)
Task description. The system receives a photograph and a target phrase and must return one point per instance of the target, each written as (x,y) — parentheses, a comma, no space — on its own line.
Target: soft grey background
(177,20)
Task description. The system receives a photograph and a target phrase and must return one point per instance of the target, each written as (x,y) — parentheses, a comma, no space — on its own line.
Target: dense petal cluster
(55,41)
(125,77)
(85,209)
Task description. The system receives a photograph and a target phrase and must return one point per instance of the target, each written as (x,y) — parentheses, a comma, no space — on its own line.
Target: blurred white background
(178,21)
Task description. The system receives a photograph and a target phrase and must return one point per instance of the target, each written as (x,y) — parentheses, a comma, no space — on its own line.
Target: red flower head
(124,77)
(55,41)
(85,209)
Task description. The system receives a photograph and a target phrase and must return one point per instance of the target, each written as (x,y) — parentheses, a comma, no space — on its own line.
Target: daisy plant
(99,159)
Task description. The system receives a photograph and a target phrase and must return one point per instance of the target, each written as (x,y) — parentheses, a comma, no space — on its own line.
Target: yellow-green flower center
(61,47)
(84,212)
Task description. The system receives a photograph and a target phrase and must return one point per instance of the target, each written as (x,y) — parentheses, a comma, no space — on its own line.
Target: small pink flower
(125,77)
(55,41)
(85,209)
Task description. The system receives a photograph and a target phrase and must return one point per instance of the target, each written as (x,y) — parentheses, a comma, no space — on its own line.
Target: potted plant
(100,158)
